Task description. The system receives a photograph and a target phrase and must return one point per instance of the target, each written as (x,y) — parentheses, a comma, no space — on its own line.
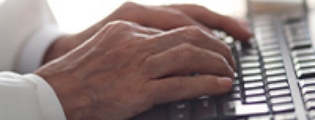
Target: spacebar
(235,109)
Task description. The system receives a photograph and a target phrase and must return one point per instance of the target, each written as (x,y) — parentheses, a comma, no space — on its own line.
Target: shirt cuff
(49,103)
(35,49)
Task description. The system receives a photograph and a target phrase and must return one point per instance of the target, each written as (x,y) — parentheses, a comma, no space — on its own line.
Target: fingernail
(225,82)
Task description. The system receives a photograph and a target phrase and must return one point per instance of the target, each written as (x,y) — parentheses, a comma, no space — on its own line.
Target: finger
(146,30)
(170,19)
(184,60)
(157,16)
(174,19)
(192,35)
(183,88)
(214,20)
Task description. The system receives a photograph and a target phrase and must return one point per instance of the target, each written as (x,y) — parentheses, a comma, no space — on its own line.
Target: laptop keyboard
(262,89)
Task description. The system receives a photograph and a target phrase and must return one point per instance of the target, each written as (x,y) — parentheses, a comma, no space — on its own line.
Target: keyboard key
(295,25)
(260,36)
(306,73)
(305,83)
(280,78)
(233,109)
(308,90)
(296,33)
(271,53)
(300,44)
(278,85)
(305,65)
(309,97)
(252,78)
(228,39)
(269,66)
(252,85)
(236,75)
(304,59)
(220,34)
(310,105)
(279,100)
(250,65)
(204,109)
(300,37)
(297,37)
(255,92)
(303,52)
(279,93)
(256,99)
(180,111)
(253,71)
(275,72)
(269,48)
(236,82)
(236,89)
(249,58)
(269,35)
(283,107)
(272,59)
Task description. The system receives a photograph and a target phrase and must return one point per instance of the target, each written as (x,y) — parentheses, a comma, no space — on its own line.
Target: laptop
(275,79)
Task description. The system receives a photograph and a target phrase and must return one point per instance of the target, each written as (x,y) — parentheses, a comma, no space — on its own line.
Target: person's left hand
(160,17)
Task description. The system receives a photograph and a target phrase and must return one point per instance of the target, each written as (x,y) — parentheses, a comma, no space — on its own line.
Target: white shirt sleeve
(28,97)
(36,47)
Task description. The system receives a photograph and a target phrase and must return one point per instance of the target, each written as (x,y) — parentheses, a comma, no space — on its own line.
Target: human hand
(160,17)
(126,69)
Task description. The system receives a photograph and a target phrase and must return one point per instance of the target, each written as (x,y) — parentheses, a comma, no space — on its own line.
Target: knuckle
(131,7)
(122,25)
(119,23)
(194,30)
(186,51)
(200,7)
(130,4)
(175,12)
(221,63)
(194,33)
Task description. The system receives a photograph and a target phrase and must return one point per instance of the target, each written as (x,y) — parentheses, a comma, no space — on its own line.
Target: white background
(76,15)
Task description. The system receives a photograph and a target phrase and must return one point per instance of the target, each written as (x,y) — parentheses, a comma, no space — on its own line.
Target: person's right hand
(126,69)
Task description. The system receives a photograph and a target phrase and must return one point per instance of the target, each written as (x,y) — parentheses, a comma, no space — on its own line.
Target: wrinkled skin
(126,69)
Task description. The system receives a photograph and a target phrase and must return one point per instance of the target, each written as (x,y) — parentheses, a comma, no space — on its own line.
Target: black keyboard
(275,79)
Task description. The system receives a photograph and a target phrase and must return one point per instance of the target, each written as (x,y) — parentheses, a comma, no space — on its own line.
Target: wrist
(73,94)
(58,48)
